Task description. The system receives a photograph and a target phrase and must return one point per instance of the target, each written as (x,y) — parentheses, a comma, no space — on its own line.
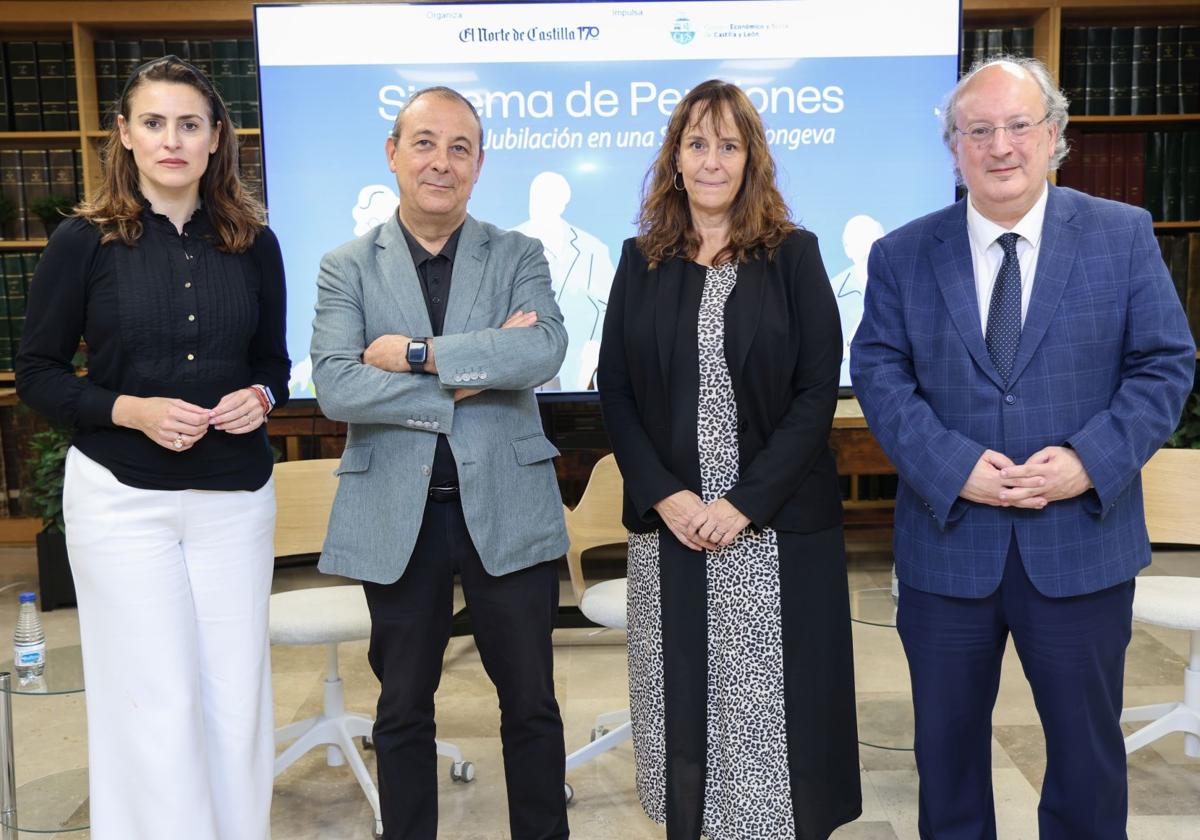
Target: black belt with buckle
(444,494)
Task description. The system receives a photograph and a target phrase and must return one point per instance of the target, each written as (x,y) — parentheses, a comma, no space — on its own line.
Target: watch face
(416,352)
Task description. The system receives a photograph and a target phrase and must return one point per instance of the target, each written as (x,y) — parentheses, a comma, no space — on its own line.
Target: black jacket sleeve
(647,481)
(269,361)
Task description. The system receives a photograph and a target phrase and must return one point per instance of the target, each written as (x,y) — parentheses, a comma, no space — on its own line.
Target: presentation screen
(574,99)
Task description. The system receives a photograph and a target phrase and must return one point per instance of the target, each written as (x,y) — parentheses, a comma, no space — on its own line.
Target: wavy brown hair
(116,208)
(759,220)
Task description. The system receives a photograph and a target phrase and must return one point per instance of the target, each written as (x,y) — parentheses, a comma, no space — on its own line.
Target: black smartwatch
(417,354)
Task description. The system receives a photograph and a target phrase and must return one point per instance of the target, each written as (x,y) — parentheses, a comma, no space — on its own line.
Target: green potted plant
(41,495)
(51,210)
(1187,434)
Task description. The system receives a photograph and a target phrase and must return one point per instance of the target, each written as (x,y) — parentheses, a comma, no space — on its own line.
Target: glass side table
(885,719)
(56,803)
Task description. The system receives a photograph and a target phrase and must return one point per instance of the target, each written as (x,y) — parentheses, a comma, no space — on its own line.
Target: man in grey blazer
(431,332)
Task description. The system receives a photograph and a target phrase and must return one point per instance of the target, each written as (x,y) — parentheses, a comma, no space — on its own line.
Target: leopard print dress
(747,790)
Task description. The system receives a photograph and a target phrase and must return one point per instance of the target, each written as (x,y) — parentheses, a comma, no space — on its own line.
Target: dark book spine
(994,43)
(1153,186)
(14,302)
(129,58)
(153,48)
(1189,201)
(6,348)
(1099,78)
(1144,71)
(62,173)
(1120,96)
(1116,167)
(979,49)
(14,190)
(1101,176)
(967,53)
(1172,175)
(179,49)
(1022,41)
(5,114)
(35,173)
(1070,174)
(1168,70)
(225,76)
(1135,168)
(52,84)
(77,159)
(248,82)
(1074,67)
(106,79)
(1193,285)
(1189,69)
(24,98)
(72,89)
(201,52)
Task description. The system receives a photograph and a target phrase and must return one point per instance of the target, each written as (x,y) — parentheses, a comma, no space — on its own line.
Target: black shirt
(169,317)
(434,270)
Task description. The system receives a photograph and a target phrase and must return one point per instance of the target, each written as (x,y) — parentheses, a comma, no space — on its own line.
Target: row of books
(1115,70)
(981,44)
(16,272)
(36,183)
(1158,170)
(37,86)
(1181,253)
(229,62)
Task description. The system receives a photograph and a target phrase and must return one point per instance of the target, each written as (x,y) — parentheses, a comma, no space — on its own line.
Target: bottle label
(26,655)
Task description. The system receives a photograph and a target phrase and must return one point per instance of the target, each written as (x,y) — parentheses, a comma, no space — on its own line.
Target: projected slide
(574,98)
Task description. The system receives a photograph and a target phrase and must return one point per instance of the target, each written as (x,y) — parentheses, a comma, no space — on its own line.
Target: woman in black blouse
(175,283)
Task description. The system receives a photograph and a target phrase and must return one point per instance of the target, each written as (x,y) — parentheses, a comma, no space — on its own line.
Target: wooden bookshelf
(304,433)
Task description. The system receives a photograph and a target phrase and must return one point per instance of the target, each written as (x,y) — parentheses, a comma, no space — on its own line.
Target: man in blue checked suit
(1022,354)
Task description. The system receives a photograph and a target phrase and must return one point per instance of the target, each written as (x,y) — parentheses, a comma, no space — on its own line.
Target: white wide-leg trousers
(173,590)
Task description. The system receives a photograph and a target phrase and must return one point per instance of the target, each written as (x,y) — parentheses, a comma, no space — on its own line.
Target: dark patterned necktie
(1004,313)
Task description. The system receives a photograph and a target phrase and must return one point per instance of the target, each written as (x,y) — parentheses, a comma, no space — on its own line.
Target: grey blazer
(368,288)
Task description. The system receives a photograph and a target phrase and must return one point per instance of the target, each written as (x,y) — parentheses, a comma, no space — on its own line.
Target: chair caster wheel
(462,771)
(569,792)
(368,743)
(599,732)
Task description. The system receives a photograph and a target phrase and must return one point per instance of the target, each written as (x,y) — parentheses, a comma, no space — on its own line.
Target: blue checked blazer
(1104,364)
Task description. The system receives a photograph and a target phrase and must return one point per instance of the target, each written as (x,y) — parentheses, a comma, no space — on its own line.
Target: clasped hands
(699,526)
(1049,475)
(177,425)
(390,352)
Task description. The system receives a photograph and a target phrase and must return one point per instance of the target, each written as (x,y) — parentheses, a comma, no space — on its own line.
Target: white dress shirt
(987,255)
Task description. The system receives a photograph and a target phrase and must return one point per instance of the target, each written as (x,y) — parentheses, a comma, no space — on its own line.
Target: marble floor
(317,802)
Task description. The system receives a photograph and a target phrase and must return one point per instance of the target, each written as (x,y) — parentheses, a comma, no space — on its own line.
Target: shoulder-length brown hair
(116,208)
(759,220)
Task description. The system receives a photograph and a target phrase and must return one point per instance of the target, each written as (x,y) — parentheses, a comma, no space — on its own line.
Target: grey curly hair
(1053,98)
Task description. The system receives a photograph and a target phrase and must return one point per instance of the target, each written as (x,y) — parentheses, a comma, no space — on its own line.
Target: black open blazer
(783,346)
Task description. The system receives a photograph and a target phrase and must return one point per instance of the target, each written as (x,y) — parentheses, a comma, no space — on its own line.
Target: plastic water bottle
(29,640)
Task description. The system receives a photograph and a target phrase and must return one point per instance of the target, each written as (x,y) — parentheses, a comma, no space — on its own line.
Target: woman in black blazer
(718,378)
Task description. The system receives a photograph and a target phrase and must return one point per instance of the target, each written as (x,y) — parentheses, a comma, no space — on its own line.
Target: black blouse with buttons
(169,317)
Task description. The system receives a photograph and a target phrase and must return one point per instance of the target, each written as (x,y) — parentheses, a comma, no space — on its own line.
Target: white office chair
(594,522)
(1169,484)
(327,616)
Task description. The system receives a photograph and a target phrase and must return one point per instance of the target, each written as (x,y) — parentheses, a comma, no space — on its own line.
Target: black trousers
(512,616)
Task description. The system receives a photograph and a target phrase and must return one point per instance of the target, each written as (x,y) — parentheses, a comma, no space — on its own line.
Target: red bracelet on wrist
(262,399)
